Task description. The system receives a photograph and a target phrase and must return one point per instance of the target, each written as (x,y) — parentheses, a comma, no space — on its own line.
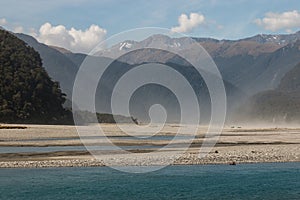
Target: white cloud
(277,21)
(14,27)
(32,32)
(18,29)
(3,22)
(71,39)
(187,24)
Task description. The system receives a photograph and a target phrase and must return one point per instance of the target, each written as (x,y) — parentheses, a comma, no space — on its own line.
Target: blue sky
(229,19)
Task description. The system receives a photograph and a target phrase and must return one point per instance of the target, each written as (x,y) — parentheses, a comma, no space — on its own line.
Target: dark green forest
(27,93)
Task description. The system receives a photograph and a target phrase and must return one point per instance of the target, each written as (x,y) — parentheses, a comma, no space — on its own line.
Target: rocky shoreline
(234,156)
(96,163)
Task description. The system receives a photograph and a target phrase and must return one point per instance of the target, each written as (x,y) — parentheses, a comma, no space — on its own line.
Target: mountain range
(248,66)
(279,105)
(253,64)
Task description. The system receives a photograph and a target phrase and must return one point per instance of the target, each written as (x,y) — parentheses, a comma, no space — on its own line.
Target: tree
(27,93)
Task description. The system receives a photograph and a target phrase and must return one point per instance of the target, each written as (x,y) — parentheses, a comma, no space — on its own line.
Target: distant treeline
(85,117)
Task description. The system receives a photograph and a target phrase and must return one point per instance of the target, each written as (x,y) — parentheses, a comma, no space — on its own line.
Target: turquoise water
(251,181)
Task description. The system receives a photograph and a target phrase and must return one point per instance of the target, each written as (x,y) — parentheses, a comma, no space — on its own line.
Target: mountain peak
(157,38)
(281,39)
(60,49)
(160,36)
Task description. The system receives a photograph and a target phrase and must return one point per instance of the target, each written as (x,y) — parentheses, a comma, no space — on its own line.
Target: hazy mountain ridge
(58,66)
(248,66)
(253,64)
(253,45)
(279,38)
(258,73)
(154,94)
(291,81)
(280,105)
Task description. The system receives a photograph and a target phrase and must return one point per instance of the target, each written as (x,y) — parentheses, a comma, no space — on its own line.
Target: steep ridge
(27,93)
(275,106)
(58,66)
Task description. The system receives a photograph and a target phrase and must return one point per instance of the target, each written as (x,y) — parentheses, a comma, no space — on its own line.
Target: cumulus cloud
(72,39)
(277,21)
(187,24)
(3,22)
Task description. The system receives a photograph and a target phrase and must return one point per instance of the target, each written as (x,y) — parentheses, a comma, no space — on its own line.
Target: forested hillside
(27,93)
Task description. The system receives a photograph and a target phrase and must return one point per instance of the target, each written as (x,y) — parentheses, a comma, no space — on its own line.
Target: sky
(80,24)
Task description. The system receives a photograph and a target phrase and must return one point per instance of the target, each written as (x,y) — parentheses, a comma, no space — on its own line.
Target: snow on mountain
(125,45)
